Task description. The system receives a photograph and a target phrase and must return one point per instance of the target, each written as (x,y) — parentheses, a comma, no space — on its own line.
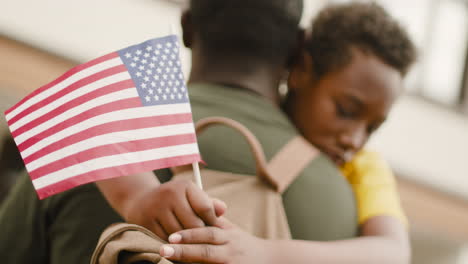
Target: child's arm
(162,208)
(383,240)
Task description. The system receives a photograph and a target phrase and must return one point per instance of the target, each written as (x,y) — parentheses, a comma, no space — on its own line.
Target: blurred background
(425,140)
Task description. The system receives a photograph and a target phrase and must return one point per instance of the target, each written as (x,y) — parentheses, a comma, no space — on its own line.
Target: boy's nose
(354,139)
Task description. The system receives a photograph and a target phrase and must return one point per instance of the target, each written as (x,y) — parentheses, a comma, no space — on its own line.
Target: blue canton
(156,70)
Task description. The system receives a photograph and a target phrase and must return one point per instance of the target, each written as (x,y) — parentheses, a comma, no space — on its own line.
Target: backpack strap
(283,168)
(290,161)
(255,146)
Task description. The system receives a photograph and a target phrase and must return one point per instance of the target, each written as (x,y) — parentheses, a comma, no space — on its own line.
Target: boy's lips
(336,157)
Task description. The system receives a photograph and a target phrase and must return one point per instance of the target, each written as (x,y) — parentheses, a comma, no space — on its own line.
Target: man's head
(348,77)
(246,32)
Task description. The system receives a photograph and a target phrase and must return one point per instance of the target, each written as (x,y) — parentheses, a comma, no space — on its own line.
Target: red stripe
(63,77)
(115,126)
(78,84)
(117,171)
(96,111)
(74,103)
(113,149)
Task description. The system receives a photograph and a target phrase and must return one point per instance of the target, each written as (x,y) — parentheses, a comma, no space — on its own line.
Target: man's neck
(262,80)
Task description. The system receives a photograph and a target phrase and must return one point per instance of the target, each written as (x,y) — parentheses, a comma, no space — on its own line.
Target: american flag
(122,113)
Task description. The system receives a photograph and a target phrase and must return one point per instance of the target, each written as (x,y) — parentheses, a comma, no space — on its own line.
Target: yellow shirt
(374,186)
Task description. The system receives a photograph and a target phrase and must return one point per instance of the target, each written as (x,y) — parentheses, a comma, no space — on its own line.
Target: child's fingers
(201,204)
(194,253)
(204,235)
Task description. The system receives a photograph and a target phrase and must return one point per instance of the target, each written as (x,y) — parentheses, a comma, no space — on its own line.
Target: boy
(340,91)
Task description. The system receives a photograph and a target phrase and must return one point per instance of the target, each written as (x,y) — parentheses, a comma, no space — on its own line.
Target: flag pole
(195,166)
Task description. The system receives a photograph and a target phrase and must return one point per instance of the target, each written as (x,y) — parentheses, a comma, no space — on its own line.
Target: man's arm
(162,208)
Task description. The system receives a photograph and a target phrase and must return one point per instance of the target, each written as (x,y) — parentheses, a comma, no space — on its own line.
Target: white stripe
(112,161)
(112,97)
(132,113)
(68,97)
(112,138)
(59,86)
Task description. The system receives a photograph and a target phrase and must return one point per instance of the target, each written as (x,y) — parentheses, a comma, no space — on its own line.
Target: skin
(138,198)
(338,113)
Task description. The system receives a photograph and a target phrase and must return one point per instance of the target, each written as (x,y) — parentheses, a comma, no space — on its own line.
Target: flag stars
(152,65)
(150,91)
(146,79)
(168,90)
(179,96)
(160,90)
(144,61)
(138,52)
(168,44)
(173,56)
(164,76)
(168,70)
(149,72)
(149,48)
(164,57)
(141,67)
(147,98)
(157,52)
(172,96)
(167,51)
(138,74)
(156,77)
(159,70)
(133,65)
(128,55)
(159,46)
(154,58)
(175,70)
(156,98)
(153,84)
(143,85)
(164,97)
(136,58)
(146,55)
(161,63)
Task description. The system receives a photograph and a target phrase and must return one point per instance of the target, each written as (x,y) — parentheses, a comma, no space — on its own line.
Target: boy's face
(338,112)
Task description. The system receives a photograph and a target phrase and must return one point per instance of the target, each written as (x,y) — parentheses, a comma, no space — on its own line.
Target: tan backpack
(254,203)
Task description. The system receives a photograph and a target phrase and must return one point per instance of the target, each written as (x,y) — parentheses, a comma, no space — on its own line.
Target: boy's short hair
(263,30)
(366,26)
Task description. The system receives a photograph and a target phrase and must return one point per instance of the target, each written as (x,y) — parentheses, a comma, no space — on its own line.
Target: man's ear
(187,29)
(302,72)
(297,49)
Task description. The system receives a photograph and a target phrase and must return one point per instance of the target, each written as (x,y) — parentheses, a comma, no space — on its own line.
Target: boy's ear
(187,29)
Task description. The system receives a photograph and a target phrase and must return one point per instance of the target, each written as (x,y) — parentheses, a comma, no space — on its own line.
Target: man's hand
(173,206)
(223,244)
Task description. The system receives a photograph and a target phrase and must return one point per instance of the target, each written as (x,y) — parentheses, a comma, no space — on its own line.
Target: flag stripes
(94,122)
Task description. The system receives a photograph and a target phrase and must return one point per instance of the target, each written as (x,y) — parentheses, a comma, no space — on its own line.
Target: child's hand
(173,206)
(225,243)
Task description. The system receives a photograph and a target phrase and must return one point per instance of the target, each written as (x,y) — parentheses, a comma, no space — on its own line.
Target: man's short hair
(263,30)
(366,26)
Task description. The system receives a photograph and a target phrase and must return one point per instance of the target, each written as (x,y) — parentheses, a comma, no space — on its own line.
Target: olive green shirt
(65,228)
(319,204)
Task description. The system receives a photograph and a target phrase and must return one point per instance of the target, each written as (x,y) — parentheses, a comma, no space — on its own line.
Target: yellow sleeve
(374,186)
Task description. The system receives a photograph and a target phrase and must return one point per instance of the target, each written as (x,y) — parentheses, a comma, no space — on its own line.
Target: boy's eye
(344,112)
